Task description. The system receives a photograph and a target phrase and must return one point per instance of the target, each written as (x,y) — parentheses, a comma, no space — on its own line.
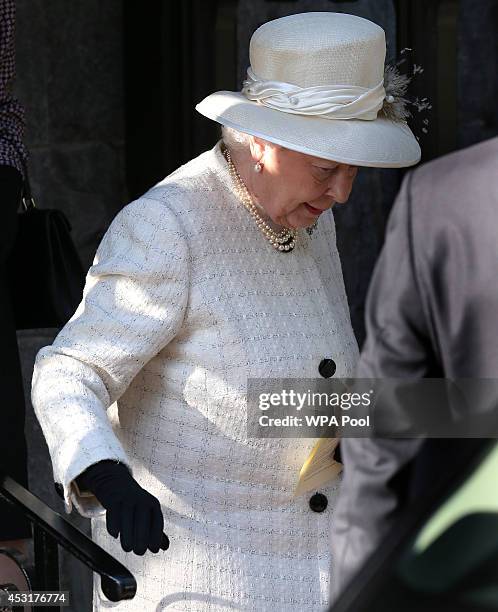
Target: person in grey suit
(431,312)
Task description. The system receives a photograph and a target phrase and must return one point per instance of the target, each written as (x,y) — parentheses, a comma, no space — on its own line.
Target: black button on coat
(327,367)
(318,502)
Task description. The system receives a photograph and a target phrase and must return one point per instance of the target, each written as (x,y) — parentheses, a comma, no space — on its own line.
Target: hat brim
(379,143)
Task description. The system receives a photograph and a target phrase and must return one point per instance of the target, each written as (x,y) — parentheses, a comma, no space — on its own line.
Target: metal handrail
(117,582)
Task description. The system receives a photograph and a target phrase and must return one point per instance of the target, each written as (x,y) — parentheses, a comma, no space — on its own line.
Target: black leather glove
(131,511)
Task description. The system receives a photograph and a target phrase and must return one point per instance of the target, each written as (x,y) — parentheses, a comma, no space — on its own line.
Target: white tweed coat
(185,300)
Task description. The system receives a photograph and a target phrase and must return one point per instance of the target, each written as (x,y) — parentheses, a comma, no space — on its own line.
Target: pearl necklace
(285,239)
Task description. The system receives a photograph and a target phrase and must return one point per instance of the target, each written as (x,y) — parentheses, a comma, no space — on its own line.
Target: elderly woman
(207,280)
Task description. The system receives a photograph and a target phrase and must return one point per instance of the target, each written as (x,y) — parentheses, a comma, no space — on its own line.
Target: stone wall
(70,79)
(477,87)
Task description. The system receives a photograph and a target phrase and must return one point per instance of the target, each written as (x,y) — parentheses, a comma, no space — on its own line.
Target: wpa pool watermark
(353,407)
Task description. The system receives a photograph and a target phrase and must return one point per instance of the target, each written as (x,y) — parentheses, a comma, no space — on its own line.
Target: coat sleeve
(133,304)
(12,122)
(398,345)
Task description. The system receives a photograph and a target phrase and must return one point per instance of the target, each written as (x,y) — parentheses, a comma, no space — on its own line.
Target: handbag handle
(27,196)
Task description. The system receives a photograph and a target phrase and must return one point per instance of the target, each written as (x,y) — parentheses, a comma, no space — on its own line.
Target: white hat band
(327,101)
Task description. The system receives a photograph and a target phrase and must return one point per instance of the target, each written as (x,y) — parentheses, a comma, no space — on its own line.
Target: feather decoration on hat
(395,103)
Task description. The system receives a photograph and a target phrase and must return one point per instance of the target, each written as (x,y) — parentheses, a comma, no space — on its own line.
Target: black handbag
(46,275)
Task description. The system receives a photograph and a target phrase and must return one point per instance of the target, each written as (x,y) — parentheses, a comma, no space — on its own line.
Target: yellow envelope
(320,467)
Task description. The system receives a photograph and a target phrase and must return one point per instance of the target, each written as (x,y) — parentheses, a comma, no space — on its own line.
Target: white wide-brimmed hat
(315,84)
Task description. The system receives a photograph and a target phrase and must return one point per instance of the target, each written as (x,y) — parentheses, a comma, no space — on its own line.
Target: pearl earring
(258,167)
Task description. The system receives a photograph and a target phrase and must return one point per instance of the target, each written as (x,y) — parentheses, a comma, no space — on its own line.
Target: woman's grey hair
(233,139)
